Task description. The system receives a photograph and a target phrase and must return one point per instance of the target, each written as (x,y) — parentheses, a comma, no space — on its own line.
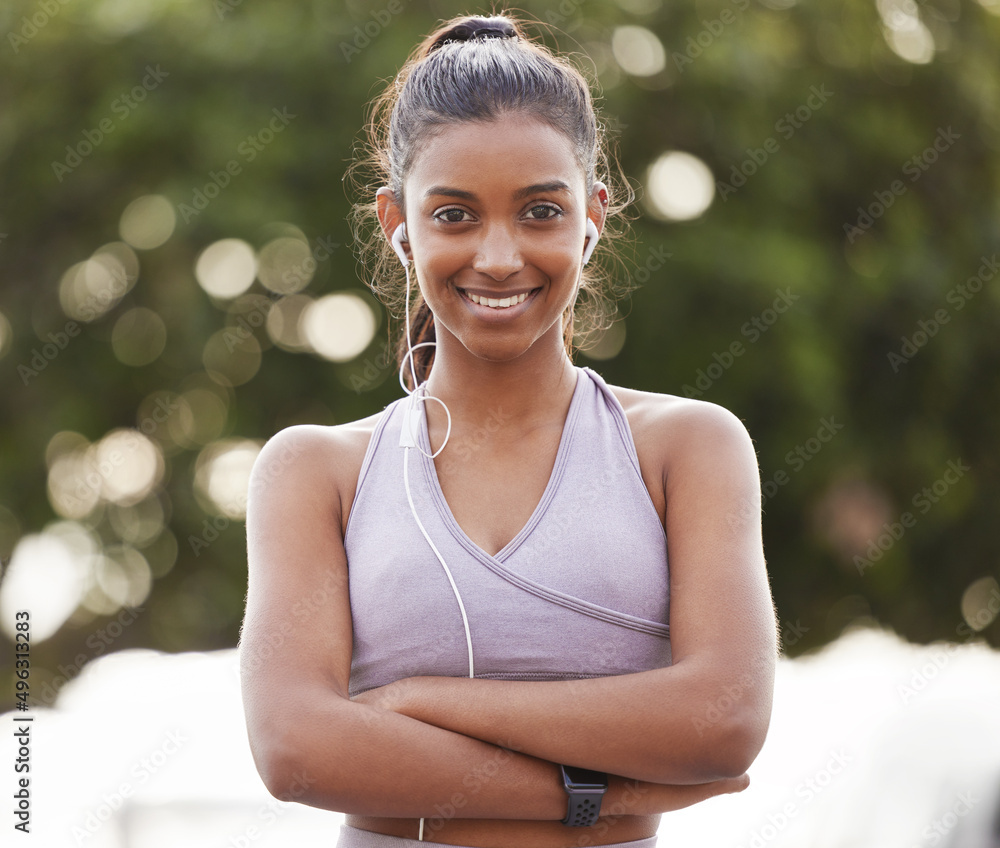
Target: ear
(597,205)
(390,215)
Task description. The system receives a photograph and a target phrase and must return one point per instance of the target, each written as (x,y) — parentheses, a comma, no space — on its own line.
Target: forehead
(493,157)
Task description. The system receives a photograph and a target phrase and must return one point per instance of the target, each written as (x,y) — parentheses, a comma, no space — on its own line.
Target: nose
(499,254)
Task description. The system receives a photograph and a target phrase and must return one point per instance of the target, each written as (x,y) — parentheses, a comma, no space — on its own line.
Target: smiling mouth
(498,303)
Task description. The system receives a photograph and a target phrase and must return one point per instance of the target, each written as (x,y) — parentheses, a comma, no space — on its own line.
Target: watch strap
(584,801)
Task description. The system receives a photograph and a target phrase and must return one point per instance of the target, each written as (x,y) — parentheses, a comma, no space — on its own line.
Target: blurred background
(815,248)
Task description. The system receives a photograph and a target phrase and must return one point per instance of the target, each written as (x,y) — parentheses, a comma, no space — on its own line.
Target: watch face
(581,778)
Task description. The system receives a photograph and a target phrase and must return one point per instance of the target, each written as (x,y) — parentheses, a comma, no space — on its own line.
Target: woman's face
(497,211)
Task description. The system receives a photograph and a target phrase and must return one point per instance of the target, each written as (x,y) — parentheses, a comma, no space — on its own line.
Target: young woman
(457,616)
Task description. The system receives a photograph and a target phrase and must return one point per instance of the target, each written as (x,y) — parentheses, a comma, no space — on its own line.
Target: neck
(528,392)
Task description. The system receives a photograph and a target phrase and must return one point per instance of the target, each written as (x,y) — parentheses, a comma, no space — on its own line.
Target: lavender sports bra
(581,591)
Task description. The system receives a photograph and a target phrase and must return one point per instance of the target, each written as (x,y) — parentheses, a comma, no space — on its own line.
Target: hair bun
(477,28)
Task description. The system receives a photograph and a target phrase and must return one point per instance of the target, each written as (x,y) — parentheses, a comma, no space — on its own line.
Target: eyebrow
(537,188)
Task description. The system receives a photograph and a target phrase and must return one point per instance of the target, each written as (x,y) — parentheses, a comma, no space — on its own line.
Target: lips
(497,300)
(481,303)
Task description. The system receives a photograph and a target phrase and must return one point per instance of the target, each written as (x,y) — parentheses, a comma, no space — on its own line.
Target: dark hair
(479,69)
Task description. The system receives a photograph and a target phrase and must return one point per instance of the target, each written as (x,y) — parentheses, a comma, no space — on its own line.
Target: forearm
(360,760)
(367,761)
(677,725)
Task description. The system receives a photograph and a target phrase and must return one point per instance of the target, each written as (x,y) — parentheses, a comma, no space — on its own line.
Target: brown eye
(452,216)
(543,212)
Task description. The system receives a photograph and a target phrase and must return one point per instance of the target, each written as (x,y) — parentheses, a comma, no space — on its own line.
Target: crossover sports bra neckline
(562,453)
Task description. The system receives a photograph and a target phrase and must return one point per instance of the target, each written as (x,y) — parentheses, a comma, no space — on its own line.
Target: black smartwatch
(585,788)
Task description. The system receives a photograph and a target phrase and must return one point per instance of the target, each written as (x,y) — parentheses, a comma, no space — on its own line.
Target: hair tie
(467,32)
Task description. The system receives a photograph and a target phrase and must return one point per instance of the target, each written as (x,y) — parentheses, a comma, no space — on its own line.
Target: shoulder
(679,430)
(311,463)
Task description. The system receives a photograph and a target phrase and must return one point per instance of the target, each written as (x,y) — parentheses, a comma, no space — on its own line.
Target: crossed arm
(671,736)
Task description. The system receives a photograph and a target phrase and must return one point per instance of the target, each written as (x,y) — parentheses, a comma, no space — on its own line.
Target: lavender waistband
(352,837)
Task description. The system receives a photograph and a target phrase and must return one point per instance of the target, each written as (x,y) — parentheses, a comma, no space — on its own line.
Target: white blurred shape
(904,32)
(680,186)
(339,326)
(849,761)
(638,51)
(222,476)
(226,268)
(284,325)
(148,221)
(90,288)
(47,577)
(981,603)
(124,576)
(74,486)
(138,336)
(6,335)
(286,265)
(129,464)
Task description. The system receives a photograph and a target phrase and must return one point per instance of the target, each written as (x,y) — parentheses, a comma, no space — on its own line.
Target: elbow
(282,767)
(294,767)
(737,744)
(289,769)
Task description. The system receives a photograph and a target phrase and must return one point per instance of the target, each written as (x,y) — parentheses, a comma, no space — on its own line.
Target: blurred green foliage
(805,101)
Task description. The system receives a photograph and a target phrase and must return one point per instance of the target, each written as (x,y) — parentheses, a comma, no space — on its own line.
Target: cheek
(558,260)
(439,262)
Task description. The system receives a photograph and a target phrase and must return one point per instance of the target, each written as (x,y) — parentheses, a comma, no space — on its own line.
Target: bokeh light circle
(226,268)
(638,51)
(339,326)
(681,186)
(147,222)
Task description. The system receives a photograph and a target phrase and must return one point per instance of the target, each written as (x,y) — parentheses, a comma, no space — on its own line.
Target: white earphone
(399,236)
(592,237)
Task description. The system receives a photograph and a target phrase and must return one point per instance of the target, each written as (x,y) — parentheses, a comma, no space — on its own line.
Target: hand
(637,797)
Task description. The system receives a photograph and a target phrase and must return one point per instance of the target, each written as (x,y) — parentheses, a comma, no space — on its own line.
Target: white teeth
(502,303)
